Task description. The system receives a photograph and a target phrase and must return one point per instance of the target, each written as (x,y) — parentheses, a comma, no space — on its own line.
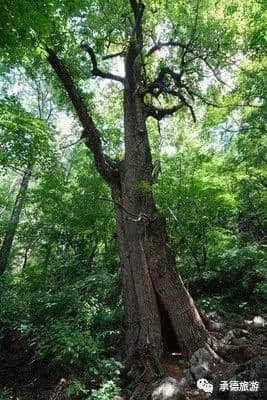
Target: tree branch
(66,146)
(138,10)
(158,83)
(136,41)
(158,86)
(161,87)
(160,113)
(193,93)
(176,43)
(118,204)
(119,54)
(170,43)
(134,6)
(187,49)
(106,167)
(96,71)
(213,70)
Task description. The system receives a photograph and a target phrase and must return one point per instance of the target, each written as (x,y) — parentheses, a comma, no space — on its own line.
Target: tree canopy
(69,71)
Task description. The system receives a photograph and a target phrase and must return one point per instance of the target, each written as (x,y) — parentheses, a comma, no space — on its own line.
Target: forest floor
(25,377)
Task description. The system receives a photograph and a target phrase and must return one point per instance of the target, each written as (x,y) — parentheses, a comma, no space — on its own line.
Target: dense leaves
(25,139)
(62,289)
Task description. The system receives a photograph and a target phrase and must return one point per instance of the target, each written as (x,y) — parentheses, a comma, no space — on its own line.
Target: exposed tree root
(143,369)
(215,360)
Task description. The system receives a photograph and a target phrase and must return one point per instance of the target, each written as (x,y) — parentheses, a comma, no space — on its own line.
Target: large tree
(173,56)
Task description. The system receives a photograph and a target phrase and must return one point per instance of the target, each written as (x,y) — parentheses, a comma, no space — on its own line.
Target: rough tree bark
(152,286)
(150,276)
(14,220)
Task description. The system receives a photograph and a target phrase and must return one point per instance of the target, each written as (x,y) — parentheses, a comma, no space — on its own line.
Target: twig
(170,43)
(70,144)
(172,213)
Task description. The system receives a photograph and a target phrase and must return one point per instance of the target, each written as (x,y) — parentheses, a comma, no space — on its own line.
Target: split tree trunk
(14,220)
(152,285)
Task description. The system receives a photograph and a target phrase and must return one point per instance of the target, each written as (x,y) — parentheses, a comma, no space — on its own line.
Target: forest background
(61,283)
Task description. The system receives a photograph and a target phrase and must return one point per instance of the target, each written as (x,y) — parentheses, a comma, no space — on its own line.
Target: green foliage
(63,290)
(66,302)
(215,214)
(64,325)
(76,388)
(5,394)
(24,138)
(107,390)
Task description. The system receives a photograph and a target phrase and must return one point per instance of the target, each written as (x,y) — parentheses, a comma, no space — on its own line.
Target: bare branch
(159,84)
(172,213)
(106,167)
(240,105)
(66,146)
(194,25)
(192,112)
(175,43)
(170,43)
(213,70)
(50,111)
(119,54)
(187,48)
(183,99)
(96,71)
(160,113)
(158,87)
(193,93)
(118,204)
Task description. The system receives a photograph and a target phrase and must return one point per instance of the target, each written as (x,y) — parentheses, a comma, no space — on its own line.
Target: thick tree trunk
(142,315)
(154,293)
(14,220)
(152,286)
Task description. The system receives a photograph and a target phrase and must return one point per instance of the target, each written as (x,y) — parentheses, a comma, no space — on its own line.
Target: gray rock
(169,389)
(200,365)
(117,398)
(228,337)
(199,371)
(259,322)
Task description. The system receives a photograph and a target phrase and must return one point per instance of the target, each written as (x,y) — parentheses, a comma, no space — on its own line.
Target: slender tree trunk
(25,258)
(11,190)
(14,220)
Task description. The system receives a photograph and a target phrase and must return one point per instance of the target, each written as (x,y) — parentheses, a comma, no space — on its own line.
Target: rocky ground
(243,375)
(244,349)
